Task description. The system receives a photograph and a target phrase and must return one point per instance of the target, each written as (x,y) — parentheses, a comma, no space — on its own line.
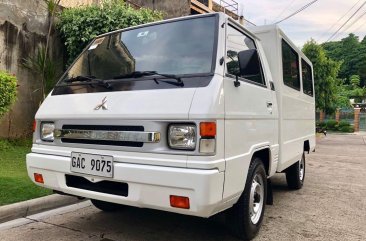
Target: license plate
(97,165)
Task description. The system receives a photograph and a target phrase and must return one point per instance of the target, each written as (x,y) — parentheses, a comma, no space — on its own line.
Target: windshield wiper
(89,80)
(140,74)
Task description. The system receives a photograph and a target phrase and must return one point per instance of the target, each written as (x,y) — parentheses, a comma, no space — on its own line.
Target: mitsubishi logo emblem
(103,105)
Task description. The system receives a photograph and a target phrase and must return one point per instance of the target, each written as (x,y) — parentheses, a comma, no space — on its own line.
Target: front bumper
(149,186)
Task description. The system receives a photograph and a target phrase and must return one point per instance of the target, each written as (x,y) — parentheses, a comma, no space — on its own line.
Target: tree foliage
(8,91)
(325,76)
(44,68)
(352,53)
(80,25)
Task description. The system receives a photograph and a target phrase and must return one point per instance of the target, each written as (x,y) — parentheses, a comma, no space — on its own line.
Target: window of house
(236,42)
(290,66)
(307,78)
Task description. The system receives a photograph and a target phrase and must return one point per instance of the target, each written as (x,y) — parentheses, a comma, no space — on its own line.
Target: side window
(307,78)
(290,66)
(236,42)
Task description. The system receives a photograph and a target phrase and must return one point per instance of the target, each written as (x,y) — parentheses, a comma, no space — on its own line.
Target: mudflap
(269,200)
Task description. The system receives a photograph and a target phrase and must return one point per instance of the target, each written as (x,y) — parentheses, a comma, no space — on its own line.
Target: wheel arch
(265,155)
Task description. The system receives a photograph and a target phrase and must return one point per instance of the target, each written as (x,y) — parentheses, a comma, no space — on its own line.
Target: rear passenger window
(236,42)
(307,78)
(290,66)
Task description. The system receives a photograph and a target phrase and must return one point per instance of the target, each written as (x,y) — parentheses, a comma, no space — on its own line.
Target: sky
(314,22)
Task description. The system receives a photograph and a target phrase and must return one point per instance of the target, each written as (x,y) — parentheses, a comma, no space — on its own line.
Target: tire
(106,206)
(295,174)
(240,218)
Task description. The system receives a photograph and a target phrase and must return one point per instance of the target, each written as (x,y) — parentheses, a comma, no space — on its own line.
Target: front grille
(103,128)
(108,187)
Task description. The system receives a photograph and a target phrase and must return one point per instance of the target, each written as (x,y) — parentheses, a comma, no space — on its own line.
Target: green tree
(352,53)
(325,76)
(80,25)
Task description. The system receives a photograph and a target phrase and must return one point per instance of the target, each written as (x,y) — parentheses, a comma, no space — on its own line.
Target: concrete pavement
(331,206)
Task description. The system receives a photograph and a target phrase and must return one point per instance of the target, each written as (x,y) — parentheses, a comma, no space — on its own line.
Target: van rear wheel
(244,219)
(106,206)
(295,174)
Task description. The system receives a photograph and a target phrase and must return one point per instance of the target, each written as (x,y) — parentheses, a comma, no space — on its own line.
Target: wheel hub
(301,169)
(256,199)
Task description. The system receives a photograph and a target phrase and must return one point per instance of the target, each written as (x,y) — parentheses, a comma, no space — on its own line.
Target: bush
(8,92)
(321,124)
(80,25)
(332,125)
(343,124)
(348,129)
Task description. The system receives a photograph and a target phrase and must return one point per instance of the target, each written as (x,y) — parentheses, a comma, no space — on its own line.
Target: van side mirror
(249,63)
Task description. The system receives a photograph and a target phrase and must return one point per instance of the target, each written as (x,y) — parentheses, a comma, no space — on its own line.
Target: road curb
(33,206)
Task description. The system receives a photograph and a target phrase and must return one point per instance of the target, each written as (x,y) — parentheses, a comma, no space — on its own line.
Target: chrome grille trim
(130,136)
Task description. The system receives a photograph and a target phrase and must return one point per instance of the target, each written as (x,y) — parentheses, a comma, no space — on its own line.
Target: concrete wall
(23,28)
(75,3)
(172,8)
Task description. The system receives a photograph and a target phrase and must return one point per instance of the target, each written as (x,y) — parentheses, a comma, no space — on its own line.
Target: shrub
(321,124)
(80,25)
(8,92)
(343,124)
(332,124)
(348,129)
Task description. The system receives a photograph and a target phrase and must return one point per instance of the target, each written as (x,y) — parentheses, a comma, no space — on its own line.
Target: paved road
(331,206)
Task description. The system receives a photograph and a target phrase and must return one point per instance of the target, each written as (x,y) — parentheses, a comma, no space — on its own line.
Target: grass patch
(15,185)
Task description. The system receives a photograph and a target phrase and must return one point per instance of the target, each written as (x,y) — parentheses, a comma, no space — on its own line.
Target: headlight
(182,137)
(47,131)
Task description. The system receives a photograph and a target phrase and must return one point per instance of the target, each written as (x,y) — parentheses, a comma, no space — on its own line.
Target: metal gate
(363,121)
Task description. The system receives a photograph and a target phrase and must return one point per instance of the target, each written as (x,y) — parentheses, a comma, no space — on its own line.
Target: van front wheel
(245,217)
(295,174)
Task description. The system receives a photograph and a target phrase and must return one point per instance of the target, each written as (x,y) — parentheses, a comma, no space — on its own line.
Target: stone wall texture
(172,8)
(23,28)
(75,3)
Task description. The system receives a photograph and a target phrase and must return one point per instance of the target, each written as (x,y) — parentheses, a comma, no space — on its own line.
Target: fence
(363,121)
(353,116)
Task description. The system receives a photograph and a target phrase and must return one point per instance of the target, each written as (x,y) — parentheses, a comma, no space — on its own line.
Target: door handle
(269,104)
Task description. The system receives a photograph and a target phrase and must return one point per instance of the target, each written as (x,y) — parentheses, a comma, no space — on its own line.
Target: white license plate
(97,165)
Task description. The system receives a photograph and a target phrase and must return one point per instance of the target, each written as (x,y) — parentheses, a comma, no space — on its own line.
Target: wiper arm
(140,74)
(90,79)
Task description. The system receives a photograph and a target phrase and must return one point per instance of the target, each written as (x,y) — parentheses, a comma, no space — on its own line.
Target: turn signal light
(34,125)
(179,202)
(38,178)
(208,129)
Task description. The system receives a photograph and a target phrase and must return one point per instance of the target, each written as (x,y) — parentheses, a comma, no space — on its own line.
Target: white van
(190,115)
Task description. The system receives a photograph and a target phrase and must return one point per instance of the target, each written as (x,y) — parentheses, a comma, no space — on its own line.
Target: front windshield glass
(183,47)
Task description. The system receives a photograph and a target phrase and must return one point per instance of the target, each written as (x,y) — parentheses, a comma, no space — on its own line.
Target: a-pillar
(357,119)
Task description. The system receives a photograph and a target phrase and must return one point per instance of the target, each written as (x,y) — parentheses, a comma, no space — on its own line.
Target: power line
(334,34)
(297,11)
(285,9)
(355,21)
(340,19)
(359,27)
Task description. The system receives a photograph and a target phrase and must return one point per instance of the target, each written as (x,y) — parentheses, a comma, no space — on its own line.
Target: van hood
(167,104)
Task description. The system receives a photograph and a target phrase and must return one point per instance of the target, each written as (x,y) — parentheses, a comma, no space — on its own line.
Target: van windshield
(183,48)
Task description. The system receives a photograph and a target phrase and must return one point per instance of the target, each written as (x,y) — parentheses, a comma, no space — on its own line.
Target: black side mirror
(249,63)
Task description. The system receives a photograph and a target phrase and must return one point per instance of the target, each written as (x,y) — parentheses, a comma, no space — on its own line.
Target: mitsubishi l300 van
(190,115)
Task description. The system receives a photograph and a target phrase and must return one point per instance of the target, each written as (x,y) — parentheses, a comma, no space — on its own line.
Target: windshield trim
(215,44)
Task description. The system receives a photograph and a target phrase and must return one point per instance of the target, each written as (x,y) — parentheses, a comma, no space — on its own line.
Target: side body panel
(296,109)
